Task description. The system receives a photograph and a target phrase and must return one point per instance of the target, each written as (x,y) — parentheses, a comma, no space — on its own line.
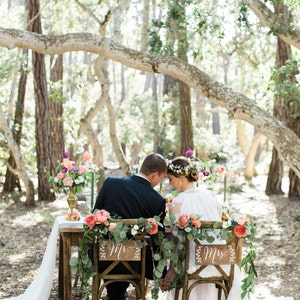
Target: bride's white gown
(203,202)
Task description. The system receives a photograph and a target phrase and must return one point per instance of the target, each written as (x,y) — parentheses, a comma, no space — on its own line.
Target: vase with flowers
(70,179)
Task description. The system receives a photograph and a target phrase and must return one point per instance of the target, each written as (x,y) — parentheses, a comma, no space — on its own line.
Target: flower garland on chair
(101,225)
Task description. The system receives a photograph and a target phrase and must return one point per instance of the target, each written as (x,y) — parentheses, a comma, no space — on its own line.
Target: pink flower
(60,176)
(112,226)
(90,220)
(154,226)
(189,153)
(183,221)
(86,156)
(241,220)
(240,231)
(82,170)
(196,223)
(68,181)
(102,216)
(220,170)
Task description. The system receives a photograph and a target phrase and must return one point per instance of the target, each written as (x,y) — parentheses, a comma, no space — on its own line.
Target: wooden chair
(219,256)
(120,254)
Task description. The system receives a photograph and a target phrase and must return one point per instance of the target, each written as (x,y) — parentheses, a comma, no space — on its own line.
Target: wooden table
(68,237)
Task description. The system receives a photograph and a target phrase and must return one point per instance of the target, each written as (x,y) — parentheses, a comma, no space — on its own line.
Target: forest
(122,79)
(203,78)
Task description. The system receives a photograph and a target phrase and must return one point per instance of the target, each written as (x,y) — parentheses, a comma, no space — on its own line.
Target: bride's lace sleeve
(175,208)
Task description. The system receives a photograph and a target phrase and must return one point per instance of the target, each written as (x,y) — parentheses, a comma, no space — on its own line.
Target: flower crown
(197,169)
(190,170)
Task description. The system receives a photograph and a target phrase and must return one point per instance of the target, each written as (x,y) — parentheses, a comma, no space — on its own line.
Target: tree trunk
(250,169)
(283,112)
(21,168)
(294,124)
(276,167)
(294,187)
(42,110)
(11,178)
(186,125)
(56,112)
(273,186)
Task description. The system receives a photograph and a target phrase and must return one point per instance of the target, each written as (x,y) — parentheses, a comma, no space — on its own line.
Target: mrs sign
(212,254)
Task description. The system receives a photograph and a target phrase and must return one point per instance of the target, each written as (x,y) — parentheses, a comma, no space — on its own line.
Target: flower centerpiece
(101,225)
(70,179)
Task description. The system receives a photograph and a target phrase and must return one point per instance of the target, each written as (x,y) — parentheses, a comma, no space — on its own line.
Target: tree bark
(186,125)
(56,112)
(11,178)
(42,110)
(290,34)
(285,111)
(274,181)
(21,168)
(186,120)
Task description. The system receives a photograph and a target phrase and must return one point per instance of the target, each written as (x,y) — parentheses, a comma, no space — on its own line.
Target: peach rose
(90,221)
(220,170)
(154,226)
(67,164)
(86,156)
(74,217)
(196,223)
(183,221)
(240,231)
(102,216)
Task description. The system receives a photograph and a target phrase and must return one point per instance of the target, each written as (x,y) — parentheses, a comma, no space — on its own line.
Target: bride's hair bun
(182,167)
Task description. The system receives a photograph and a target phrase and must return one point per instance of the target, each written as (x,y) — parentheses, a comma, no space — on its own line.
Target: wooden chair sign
(215,254)
(126,251)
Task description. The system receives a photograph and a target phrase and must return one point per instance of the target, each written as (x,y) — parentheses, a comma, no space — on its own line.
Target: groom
(134,197)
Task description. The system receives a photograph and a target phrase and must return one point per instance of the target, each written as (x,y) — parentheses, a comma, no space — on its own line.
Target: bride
(182,176)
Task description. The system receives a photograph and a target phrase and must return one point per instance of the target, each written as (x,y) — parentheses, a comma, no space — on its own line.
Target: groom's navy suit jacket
(130,198)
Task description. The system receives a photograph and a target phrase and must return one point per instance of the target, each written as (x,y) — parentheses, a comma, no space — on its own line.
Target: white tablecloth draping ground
(40,287)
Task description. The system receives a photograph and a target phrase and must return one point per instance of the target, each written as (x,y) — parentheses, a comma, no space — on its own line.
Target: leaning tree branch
(238,105)
(287,32)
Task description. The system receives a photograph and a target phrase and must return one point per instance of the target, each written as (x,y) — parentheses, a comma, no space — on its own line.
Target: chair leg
(95,288)
(219,293)
(176,294)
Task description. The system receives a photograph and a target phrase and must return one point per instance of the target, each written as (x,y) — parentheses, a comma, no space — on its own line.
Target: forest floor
(25,232)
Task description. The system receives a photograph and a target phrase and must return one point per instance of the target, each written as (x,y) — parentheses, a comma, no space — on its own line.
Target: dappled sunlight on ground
(277,221)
